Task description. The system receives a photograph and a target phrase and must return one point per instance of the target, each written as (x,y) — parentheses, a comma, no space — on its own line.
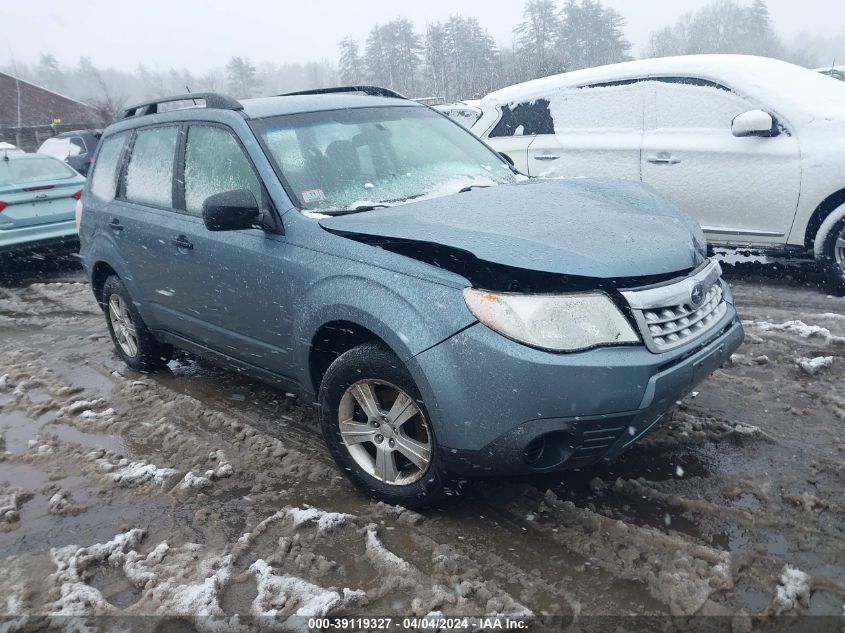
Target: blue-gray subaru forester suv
(448,315)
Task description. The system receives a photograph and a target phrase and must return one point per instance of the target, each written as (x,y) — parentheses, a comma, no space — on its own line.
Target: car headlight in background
(563,323)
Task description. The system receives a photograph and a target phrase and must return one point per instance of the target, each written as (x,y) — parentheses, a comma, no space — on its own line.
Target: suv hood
(577,227)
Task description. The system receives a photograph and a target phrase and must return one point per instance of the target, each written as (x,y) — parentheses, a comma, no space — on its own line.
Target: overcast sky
(203,34)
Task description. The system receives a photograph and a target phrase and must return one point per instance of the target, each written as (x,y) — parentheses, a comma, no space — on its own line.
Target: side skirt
(228,362)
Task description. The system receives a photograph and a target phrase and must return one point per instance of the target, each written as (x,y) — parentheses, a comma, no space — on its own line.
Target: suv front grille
(669,316)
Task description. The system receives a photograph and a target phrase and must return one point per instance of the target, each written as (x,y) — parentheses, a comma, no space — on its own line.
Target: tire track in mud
(740,509)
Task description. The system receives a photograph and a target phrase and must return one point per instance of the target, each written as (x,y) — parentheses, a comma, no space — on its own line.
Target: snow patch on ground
(10,504)
(382,557)
(129,474)
(813,366)
(326,521)
(194,482)
(290,600)
(793,590)
(77,597)
(796,327)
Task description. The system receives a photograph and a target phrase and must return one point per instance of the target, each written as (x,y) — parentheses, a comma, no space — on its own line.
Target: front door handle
(663,158)
(115,225)
(182,242)
(547,157)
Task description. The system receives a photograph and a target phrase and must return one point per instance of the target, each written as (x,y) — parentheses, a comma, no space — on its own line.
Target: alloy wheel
(122,325)
(385,432)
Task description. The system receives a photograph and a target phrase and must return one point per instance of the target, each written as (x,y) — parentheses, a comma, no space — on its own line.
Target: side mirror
(230,211)
(754,123)
(507,158)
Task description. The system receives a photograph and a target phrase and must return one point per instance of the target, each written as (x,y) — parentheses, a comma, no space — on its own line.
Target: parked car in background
(464,112)
(38,196)
(76,148)
(448,314)
(837,72)
(750,147)
(8,147)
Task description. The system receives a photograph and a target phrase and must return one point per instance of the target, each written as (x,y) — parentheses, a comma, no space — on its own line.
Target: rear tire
(378,429)
(132,340)
(833,257)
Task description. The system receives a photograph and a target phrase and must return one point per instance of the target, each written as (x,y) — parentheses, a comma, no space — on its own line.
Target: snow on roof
(763,78)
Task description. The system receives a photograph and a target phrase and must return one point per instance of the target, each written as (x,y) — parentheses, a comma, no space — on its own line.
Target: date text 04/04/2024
(434,623)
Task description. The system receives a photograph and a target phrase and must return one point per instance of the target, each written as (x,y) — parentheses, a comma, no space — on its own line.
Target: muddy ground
(198,500)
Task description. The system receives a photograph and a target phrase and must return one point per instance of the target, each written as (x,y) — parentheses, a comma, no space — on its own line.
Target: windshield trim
(257,126)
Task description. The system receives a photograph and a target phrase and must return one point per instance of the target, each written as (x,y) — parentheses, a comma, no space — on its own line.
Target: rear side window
(104,180)
(149,176)
(523,119)
(214,163)
(615,106)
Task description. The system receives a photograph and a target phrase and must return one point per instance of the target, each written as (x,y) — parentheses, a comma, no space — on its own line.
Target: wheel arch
(332,339)
(344,310)
(822,212)
(100,271)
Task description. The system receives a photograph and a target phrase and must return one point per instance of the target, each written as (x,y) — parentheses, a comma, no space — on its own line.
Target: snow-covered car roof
(766,79)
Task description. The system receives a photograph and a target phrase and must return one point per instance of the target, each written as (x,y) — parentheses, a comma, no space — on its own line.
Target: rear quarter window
(104,179)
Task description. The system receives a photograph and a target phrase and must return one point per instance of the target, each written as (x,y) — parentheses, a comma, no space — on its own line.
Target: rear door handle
(547,157)
(182,242)
(115,225)
(663,159)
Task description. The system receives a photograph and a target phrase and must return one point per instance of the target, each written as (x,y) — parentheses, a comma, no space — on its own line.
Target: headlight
(553,322)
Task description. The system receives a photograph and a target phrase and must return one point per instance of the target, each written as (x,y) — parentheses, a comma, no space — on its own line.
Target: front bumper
(499,407)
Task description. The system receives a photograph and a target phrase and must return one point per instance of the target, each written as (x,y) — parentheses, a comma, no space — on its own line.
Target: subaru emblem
(696,296)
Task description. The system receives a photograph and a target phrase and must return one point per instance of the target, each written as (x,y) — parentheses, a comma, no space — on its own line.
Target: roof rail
(212,100)
(373,91)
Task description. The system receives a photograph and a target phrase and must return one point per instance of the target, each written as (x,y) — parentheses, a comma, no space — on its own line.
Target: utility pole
(18,89)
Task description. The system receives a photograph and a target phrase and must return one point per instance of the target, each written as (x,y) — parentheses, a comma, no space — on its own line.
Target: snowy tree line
(452,59)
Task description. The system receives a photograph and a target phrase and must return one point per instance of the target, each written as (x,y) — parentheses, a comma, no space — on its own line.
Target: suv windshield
(361,157)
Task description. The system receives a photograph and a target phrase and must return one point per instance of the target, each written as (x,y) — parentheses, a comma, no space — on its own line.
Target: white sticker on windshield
(313,195)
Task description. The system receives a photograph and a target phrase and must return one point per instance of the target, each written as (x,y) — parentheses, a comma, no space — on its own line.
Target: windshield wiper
(471,187)
(358,209)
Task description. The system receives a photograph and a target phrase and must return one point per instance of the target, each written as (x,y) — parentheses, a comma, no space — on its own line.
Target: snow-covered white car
(464,112)
(8,147)
(837,72)
(751,147)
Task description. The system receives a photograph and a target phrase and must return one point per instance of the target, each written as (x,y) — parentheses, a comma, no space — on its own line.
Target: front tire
(378,429)
(833,257)
(133,341)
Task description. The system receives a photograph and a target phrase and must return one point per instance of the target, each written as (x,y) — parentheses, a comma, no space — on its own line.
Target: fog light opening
(549,450)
